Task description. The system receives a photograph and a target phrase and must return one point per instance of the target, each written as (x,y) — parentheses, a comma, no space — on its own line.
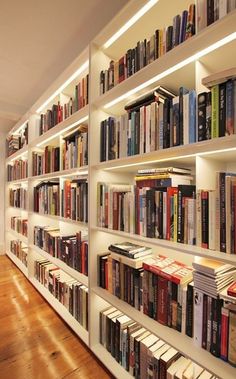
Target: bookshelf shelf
(184,65)
(115,368)
(176,339)
(18,263)
(62,311)
(70,172)
(70,271)
(18,154)
(175,246)
(60,219)
(63,127)
(18,235)
(219,148)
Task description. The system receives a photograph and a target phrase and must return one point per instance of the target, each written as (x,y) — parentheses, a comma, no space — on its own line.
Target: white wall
(2,190)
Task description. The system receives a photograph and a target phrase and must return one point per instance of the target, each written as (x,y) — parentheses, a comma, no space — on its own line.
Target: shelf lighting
(64,85)
(20,127)
(64,130)
(18,156)
(205,153)
(231,37)
(129,23)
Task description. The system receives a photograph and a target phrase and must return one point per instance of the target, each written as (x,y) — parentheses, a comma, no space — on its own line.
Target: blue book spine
(192,116)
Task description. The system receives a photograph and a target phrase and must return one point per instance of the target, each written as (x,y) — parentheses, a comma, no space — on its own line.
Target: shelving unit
(185,65)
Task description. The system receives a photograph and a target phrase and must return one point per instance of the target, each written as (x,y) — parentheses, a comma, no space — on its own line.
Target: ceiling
(38,40)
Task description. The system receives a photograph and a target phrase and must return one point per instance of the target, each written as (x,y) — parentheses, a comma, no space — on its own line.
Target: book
(130,250)
(219,77)
(231,290)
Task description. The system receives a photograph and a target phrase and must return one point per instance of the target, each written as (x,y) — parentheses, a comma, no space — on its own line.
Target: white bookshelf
(185,65)
(18,263)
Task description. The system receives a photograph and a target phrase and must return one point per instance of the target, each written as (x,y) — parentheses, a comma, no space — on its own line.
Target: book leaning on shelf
(47,198)
(158,120)
(46,161)
(18,197)
(19,250)
(148,50)
(17,170)
(142,353)
(70,249)
(65,107)
(216,108)
(68,291)
(75,148)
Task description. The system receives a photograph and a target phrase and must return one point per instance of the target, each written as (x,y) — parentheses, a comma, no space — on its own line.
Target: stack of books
(46,161)
(47,198)
(75,148)
(19,225)
(17,170)
(74,199)
(19,250)
(18,197)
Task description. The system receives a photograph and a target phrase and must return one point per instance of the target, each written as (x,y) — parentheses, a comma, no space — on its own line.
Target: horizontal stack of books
(71,293)
(15,142)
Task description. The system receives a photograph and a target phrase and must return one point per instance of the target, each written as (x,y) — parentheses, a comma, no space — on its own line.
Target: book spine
(215,111)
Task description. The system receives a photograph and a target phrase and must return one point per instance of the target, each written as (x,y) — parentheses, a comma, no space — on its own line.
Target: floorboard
(35,343)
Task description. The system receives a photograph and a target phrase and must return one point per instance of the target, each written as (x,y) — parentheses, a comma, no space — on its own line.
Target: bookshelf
(186,65)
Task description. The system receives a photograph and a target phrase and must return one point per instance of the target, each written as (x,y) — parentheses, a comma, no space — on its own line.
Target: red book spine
(224,333)
(162,303)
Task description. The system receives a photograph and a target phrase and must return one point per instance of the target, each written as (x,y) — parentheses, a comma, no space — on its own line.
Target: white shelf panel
(179,341)
(69,172)
(18,263)
(17,209)
(208,36)
(17,181)
(59,128)
(17,154)
(61,219)
(18,236)
(62,311)
(185,153)
(181,247)
(70,271)
(107,359)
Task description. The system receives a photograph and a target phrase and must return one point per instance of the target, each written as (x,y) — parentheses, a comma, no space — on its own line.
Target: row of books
(216,215)
(217,110)
(75,148)
(142,353)
(158,211)
(45,161)
(71,293)
(17,170)
(157,286)
(47,198)
(71,249)
(211,11)
(194,302)
(15,142)
(158,120)
(18,197)
(20,251)
(65,107)
(146,51)
(74,199)
(214,314)
(20,225)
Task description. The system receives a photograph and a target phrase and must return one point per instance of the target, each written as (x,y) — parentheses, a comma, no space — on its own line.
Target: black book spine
(182,92)
(202,116)
(210,12)
(150,200)
(208,116)
(205,219)
(222,213)
(216,326)
(222,109)
(166,124)
(189,311)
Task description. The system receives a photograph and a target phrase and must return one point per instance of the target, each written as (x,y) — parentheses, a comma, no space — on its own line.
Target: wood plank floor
(34,342)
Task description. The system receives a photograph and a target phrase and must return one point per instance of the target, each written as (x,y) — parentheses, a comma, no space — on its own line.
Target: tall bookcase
(209,51)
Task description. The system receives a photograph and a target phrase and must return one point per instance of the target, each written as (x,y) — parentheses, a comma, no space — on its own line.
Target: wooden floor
(34,342)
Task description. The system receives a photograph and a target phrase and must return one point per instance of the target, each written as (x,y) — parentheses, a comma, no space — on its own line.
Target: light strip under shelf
(64,85)
(231,37)
(129,23)
(63,131)
(20,127)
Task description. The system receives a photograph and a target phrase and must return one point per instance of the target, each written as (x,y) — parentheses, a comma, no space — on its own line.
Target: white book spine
(198,317)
